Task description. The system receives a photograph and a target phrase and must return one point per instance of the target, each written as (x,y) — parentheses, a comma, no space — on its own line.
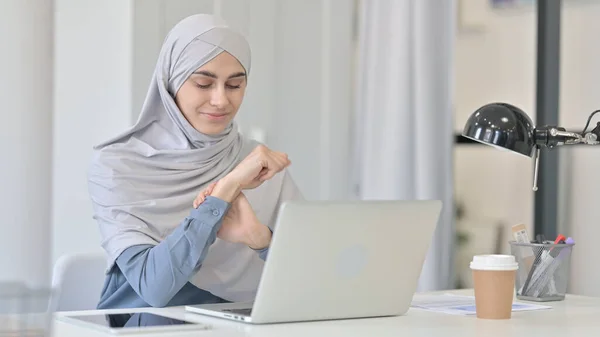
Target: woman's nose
(219,98)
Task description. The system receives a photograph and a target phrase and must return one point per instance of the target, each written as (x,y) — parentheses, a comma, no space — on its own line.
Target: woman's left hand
(202,195)
(240,225)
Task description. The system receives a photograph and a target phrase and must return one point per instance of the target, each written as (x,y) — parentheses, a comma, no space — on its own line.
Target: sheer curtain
(404,120)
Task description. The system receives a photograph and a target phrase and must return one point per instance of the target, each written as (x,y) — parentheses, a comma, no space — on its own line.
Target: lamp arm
(552,136)
(561,137)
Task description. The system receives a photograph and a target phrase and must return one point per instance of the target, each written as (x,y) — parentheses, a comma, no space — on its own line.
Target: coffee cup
(494,283)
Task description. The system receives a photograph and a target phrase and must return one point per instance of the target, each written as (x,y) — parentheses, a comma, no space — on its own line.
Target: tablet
(135,322)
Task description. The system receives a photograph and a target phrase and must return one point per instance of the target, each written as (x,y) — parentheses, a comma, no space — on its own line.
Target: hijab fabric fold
(142,182)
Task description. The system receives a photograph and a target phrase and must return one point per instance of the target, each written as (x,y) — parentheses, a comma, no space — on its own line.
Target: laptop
(339,260)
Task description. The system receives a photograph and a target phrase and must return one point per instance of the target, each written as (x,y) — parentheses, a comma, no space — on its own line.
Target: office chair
(79,278)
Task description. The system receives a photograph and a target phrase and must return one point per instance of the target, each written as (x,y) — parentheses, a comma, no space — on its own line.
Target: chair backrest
(79,278)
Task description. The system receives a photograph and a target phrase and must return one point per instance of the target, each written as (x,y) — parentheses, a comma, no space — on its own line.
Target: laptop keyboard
(245,311)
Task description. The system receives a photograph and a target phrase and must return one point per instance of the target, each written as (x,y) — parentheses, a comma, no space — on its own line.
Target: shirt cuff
(213,205)
(263,252)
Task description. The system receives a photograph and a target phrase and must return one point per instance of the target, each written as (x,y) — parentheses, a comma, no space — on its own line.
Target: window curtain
(404,121)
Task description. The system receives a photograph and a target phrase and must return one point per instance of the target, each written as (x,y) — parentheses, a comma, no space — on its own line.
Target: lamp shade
(502,125)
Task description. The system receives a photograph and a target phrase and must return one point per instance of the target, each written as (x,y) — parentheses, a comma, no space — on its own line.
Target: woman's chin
(212,129)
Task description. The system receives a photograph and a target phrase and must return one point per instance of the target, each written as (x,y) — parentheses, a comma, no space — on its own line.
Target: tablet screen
(141,319)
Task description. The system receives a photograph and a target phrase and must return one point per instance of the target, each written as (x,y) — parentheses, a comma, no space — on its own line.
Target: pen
(542,261)
(549,272)
(560,239)
(539,239)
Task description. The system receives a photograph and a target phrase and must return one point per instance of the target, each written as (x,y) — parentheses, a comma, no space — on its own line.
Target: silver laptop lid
(331,260)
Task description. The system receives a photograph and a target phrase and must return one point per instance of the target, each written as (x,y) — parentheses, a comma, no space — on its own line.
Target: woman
(167,193)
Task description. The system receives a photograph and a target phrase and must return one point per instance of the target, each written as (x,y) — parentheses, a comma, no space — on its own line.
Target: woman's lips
(215,116)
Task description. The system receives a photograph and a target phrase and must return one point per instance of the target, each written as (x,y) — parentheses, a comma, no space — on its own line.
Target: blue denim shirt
(157,276)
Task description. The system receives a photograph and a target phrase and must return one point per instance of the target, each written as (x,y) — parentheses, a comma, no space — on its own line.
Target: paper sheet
(461,305)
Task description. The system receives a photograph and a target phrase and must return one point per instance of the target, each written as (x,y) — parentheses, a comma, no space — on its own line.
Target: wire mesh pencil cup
(26,311)
(544,269)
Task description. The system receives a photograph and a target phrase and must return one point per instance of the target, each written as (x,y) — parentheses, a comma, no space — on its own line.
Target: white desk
(576,316)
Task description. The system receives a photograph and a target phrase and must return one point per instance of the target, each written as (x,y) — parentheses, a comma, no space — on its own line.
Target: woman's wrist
(226,189)
(260,238)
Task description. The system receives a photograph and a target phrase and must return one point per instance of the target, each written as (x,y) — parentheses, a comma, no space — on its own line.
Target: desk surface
(576,316)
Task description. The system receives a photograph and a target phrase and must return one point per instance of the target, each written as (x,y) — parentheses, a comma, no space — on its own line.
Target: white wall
(580,90)
(26,137)
(93,48)
(312,111)
(299,85)
(497,63)
(494,61)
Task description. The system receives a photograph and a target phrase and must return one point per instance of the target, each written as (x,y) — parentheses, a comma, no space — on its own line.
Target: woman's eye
(235,84)
(203,86)
(209,85)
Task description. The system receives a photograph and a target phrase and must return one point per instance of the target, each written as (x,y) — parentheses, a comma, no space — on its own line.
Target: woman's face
(210,98)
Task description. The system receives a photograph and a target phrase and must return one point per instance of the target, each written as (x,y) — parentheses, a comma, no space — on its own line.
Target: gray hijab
(142,182)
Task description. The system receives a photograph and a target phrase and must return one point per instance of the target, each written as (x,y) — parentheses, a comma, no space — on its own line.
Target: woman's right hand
(259,166)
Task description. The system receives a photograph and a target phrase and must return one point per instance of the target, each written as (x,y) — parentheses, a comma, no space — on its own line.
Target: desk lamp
(507,127)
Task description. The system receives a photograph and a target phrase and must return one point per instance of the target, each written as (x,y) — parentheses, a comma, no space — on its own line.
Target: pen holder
(26,311)
(543,272)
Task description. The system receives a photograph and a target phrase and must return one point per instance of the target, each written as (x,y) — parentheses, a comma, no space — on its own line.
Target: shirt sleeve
(158,272)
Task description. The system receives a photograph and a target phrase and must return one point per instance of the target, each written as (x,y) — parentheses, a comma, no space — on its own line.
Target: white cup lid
(494,262)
